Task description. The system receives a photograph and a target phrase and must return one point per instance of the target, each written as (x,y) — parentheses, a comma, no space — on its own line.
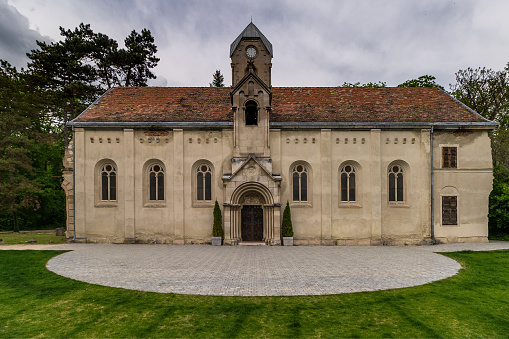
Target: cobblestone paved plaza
(258,270)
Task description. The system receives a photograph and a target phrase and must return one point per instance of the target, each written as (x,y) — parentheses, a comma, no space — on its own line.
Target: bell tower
(252,191)
(251,93)
(251,51)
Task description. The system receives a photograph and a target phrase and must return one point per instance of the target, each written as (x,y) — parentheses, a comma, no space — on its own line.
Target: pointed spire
(251,31)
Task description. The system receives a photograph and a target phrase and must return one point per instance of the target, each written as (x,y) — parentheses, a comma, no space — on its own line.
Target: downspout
(74,183)
(431,189)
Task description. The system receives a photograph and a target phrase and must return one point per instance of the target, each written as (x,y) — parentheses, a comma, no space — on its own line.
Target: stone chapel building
(364,166)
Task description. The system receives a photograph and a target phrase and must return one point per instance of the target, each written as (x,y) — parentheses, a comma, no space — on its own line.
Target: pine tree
(217,229)
(218,79)
(19,136)
(286,227)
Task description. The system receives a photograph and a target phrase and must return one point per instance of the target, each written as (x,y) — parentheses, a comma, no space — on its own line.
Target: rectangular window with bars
(449,157)
(450,210)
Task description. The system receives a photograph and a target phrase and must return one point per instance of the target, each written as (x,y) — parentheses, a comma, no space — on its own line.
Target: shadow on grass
(36,302)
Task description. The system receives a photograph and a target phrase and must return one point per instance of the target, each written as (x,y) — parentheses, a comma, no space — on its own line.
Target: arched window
(396,189)
(251,113)
(108,183)
(300,183)
(203,183)
(156,182)
(347,181)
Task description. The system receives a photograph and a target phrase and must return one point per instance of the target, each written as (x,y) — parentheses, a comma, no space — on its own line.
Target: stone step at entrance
(252,243)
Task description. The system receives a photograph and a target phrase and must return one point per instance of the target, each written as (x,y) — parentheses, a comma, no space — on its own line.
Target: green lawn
(23,238)
(37,303)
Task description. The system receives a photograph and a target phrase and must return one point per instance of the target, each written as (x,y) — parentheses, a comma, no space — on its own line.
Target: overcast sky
(315,43)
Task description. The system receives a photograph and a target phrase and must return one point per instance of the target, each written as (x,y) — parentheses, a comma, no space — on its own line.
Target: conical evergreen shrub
(286,227)
(217,229)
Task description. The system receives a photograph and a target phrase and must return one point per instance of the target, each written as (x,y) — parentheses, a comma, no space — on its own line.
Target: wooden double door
(252,223)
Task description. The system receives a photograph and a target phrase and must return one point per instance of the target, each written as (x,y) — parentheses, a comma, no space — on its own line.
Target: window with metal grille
(450,210)
(449,157)
(108,183)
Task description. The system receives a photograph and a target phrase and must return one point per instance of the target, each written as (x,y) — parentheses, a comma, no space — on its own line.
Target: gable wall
(471,181)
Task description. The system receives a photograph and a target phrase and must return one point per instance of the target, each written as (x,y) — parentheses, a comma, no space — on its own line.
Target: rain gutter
(293,125)
(74,184)
(432,189)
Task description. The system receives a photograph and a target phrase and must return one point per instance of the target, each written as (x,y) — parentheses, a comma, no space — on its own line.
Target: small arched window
(251,114)
(203,183)
(108,183)
(156,182)
(348,183)
(300,183)
(396,189)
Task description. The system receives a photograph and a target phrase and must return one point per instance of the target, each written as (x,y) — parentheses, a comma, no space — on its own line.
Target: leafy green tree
(485,91)
(422,81)
(63,69)
(499,205)
(369,84)
(286,226)
(217,228)
(137,59)
(20,106)
(218,79)
(84,64)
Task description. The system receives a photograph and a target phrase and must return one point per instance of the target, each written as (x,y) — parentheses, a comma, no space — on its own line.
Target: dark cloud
(16,38)
(316,43)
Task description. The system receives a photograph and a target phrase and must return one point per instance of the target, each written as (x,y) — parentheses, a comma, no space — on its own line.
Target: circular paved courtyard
(258,270)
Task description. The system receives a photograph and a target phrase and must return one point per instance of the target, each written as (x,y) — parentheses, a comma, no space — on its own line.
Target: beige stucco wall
(471,182)
(324,219)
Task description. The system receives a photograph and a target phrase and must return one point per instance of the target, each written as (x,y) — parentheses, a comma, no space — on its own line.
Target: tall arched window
(203,183)
(396,189)
(251,113)
(108,183)
(300,183)
(156,182)
(347,183)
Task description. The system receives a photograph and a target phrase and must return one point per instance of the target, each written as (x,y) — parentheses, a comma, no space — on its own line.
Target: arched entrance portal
(251,215)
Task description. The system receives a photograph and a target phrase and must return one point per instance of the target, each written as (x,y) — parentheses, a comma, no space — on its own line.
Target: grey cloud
(16,38)
(316,43)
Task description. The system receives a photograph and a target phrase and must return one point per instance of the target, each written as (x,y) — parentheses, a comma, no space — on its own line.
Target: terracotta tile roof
(161,104)
(391,104)
(289,104)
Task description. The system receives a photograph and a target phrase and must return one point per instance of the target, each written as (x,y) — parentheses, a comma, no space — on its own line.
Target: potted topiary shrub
(217,228)
(286,227)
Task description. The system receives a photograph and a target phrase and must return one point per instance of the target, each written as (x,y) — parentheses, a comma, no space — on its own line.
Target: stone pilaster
(425,182)
(376,187)
(178,185)
(129,193)
(325,175)
(68,186)
(79,194)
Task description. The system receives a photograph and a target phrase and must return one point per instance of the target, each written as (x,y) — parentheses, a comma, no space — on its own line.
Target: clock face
(251,52)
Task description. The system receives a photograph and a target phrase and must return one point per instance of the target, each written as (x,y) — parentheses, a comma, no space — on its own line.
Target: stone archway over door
(252,215)
(252,223)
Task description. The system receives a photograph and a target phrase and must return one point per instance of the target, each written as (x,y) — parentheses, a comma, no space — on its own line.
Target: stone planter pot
(217,241)
(287,241)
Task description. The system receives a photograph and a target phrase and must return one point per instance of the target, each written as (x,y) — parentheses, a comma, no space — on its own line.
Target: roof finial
(251,19)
